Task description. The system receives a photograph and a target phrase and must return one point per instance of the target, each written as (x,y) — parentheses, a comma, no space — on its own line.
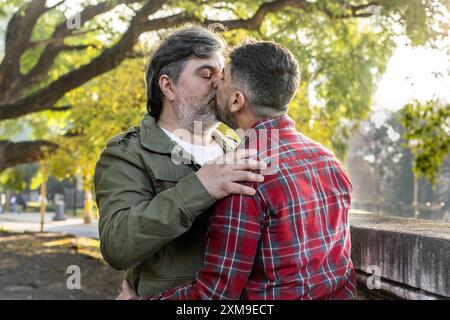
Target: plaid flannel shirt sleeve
(231,243)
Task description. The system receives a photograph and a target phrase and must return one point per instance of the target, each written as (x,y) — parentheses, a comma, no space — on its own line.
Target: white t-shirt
(201,154)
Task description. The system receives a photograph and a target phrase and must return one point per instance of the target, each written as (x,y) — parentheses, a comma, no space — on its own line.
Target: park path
(22,222)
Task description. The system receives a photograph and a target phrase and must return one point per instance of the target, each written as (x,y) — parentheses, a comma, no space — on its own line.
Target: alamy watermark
(265,141)
(73,282)
(374,281)
(74,22)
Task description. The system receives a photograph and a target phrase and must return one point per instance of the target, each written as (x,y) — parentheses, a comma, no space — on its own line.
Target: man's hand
(221,175)
(127,292)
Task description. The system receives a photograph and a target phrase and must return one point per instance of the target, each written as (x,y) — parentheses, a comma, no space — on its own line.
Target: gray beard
(191,111)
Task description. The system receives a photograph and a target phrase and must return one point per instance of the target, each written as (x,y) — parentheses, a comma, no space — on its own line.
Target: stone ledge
(413,255)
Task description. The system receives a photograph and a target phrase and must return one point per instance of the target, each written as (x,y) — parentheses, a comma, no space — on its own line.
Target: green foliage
(427,128)
(104,107)
(341,59)
(341,63)
(417,17)
(18,178)
(13,179)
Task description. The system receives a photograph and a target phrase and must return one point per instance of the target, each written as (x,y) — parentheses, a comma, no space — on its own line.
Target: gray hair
(172,55)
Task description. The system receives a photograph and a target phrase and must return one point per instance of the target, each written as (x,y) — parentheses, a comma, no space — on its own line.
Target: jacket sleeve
(231,245)
(134,221)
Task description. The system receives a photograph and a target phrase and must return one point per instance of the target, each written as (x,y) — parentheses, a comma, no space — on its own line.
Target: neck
(246,121)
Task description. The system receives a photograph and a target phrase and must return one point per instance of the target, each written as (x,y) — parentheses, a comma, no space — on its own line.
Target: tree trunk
(43,193)
(7,201)
(88,199)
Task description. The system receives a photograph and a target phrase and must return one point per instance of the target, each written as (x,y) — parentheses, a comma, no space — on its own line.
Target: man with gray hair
(153,186)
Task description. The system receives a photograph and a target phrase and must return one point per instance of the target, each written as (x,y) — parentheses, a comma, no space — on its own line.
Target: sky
(410,74)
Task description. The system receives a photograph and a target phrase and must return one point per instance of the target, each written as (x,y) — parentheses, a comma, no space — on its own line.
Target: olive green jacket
(153,210)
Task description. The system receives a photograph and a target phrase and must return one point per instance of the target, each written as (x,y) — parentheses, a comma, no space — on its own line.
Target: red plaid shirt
(289,241)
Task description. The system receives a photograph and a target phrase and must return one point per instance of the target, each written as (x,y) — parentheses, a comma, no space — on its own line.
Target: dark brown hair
(267,74)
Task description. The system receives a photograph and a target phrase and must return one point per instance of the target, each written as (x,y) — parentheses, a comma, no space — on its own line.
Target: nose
(215,81)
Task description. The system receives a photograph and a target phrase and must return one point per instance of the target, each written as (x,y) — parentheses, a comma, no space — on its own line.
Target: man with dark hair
(153,186)
(291,240)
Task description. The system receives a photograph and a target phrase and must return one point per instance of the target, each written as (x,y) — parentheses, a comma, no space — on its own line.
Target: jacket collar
(153,138)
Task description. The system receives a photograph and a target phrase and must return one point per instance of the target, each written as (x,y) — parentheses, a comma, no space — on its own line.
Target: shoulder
(125,138)
(120,162)
(125,146)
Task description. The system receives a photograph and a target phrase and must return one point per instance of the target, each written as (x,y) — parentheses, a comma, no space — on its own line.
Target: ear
(167,87)
(237,101)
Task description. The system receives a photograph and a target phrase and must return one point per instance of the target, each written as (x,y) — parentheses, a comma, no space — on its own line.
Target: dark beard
(225,116)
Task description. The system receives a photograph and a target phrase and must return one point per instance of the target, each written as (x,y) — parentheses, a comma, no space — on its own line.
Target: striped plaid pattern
(289,241)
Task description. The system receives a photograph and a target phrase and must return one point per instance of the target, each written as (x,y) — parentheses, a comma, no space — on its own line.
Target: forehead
(214,61)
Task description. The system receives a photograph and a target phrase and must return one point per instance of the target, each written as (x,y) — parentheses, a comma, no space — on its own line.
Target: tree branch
(53,48)
(168,22)
(62,108)
(56,5)
(354,9)
(16,88)
(52,40)
(255,22)
(15,153)
(108,60)
(18,34)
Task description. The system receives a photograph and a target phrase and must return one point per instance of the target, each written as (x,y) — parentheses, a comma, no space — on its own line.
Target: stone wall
(412,256)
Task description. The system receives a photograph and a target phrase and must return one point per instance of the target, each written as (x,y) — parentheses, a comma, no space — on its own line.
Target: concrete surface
(31,222)
(412,255)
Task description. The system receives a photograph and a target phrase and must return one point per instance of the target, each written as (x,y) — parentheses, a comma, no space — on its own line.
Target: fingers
(235,157)
(251,165)
(247,176)
(236,188)
(242,165)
